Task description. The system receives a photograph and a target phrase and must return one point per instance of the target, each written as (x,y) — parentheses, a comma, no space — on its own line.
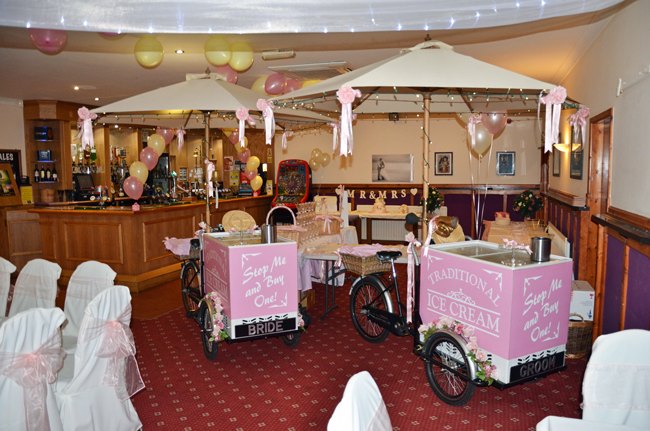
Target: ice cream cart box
(257,283)
(519,308)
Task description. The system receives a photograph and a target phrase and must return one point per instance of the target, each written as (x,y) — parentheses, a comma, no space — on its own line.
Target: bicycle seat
(388,255)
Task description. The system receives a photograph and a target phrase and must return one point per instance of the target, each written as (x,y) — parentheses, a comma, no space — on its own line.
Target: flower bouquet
(219,332)
(528,203)
(485,371)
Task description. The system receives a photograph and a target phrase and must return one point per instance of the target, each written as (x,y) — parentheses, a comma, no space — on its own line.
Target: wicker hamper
(579,341)
(363,265)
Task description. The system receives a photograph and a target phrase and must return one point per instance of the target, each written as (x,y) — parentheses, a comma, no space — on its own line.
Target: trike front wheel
(190,287)
(208,340)
(447,368)
(292,339)
(367,296)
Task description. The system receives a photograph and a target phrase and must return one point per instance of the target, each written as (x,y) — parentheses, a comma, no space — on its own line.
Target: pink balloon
(275,83)
(292,85)
(227,72)
(494,122)
(133,187)
(149,157)
(167,134)
(48,41)
(244,155)
(234,137)
(251,174)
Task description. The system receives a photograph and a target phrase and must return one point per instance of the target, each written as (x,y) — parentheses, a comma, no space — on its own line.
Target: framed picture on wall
(505,162)
(9,192)
(575,162)
(556,162)
(397,168)
(444,163)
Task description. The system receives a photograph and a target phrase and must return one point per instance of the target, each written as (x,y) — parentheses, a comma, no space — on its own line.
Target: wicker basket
(364,265)
(291,232)
(579,341)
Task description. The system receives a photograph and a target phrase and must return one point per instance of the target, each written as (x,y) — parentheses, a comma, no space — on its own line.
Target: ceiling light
(75,88)
(179,51)
(278,54)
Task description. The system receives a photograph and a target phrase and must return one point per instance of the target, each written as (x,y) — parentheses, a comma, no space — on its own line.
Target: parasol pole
(206,149)
(425,163)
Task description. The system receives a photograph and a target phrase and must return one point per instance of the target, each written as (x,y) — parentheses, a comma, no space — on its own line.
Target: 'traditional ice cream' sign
(517,312)
(257,284)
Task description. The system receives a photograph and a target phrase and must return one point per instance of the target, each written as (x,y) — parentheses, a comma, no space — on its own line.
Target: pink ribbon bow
(269,121)
(287,134)
(210,168)
(180,136)
(553,101)
(85,125)
(346,96)
(335,134)
(327,221)
(432,228)
(33,371)
(243,116)
(410,274)
(579,123)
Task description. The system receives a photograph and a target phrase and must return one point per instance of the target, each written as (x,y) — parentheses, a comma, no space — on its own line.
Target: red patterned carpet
(265,385)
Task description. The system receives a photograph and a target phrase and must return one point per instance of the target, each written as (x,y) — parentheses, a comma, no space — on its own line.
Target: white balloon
(482,143)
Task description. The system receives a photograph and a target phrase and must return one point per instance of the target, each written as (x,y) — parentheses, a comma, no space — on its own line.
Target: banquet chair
(36,286)
(30,357)
(362,408)
(616,386)
(96,383)
(87,280)
(6,269)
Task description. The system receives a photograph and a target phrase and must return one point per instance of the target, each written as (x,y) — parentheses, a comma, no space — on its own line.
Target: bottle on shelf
(48,174)
(55,175)
(42,173)
(37,174)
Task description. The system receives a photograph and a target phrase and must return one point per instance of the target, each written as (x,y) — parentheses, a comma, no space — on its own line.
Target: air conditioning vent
(313,70)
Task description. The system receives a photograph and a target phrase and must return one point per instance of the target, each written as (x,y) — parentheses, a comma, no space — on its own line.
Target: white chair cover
(87,280)
(557,423)
(616,386)
(104,370)
(6,269)
(362,408)
(36,286)
(30,357)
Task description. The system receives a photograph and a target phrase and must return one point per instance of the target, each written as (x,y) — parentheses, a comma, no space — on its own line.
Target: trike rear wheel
(368,293)
(292,339)
(190,287)
(447,368)
(209,342)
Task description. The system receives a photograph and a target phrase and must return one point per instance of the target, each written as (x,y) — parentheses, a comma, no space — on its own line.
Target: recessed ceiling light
(76,88)
(96,99)
(179,51)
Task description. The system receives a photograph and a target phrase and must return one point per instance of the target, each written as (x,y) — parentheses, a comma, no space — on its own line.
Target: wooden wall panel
(155,231)
(102,241)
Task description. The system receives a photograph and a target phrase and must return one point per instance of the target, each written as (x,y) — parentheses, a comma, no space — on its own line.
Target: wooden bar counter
(130,242)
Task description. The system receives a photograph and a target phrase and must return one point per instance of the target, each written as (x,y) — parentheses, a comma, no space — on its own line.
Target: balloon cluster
(238,56)
(277,83)
(486,127)
(318,159)
(244,156)
(133,185)
(148,52)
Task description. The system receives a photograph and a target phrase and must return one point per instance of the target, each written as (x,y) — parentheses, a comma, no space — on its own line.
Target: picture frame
(505,163)
(576,159)
(557,162)
(9,191)
(394,168)
(444,163)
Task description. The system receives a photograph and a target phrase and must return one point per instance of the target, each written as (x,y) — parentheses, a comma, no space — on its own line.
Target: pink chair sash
(118,345)
(33,371)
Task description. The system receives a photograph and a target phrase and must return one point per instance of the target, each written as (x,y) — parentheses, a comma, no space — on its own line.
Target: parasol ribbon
(209,167)
(346,96)
(335,134)
(579,123)
(473,120)
(553,101)
(287,134)
(180,136)
(339,191)
(269,121)
(410,275)
(243,115)
(33,371)
(85,125)
(432,228)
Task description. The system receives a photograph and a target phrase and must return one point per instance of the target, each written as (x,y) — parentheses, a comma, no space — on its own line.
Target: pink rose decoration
(242,114)
(347,94)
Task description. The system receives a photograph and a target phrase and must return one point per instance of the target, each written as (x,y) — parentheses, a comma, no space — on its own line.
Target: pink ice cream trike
(238,288)
(481,314)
